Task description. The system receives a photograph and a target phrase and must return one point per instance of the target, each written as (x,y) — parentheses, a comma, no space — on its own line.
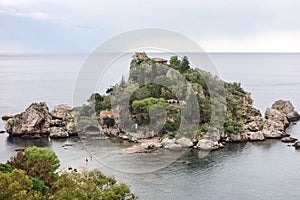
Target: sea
(253,170)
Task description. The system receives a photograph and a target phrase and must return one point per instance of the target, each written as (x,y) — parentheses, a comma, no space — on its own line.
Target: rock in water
(288,139)
(297,145)
(184,142)
(287,108)
(33,122)
(7,117)
(276,116)
(255,136)
(205,144)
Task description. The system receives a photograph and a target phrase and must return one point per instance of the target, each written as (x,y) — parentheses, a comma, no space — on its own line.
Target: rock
(125,137)
(62,112)
(297,145)
(133,139)
(253,126)
(276,116)
(205,144)
(272,134)
(293,116)
(213,134)
(68,145)
(174,147)
(285,134)
(184,142)
(33,122)
(287,108)
(237,137)
(71,128)
(255,136)
(7,117)
(166,142)
(273,125)
(151,145)
(58,132)
(57,123)
(288,139)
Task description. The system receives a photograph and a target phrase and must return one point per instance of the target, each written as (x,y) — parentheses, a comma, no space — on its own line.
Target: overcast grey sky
(56,26)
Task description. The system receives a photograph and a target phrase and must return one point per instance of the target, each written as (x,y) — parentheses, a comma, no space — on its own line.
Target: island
(216,112)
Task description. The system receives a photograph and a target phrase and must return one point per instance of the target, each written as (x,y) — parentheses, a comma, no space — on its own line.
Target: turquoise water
(262,170)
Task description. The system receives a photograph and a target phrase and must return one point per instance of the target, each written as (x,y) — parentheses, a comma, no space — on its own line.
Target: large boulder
(6,117)
(184,142)
(288,139)
(273,125)
(34,121)
(166,142)
(276,116)
(58,132)
(237,137)
(255,136)
(62,112)
(286,108)
(272,134)
(205,144)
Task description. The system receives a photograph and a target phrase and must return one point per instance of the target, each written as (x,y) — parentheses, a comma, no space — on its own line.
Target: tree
(38,163)
(185,64)
(17,186)
(35,153)
(90,185)
(175,62)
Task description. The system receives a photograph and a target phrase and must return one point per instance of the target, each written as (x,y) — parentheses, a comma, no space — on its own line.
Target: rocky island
(226,111)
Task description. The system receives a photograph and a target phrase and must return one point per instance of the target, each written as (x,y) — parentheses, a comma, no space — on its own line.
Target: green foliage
(5,168)
(39,186)
(36,162)
(35,153)
(141,108)
(175,62)
(185,64)
(17,184)
(90,185)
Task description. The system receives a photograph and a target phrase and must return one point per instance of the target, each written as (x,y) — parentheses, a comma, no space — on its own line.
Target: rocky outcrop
(33,122)
(288,139)
(205,144)
(6,117)
(237,137)
(184,142)
(36,121)
(58,132)
(255,136)
(62,112)
(278,118)
(286,108)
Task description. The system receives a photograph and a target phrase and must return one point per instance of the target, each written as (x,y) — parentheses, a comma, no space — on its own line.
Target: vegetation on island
(32,175)
(222,105)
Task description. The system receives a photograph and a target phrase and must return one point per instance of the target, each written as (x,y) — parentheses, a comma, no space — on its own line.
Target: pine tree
(185,64)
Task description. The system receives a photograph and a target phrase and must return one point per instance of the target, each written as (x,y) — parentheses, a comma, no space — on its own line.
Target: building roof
(106,112)
(159,60)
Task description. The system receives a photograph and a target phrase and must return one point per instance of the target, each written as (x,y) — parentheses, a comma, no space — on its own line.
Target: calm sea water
(262,170)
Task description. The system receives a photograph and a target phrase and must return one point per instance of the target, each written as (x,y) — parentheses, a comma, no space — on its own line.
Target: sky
(56,26)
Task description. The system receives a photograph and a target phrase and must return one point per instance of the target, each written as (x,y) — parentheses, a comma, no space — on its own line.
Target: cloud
(278,41)
(30,14)
(227,25)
